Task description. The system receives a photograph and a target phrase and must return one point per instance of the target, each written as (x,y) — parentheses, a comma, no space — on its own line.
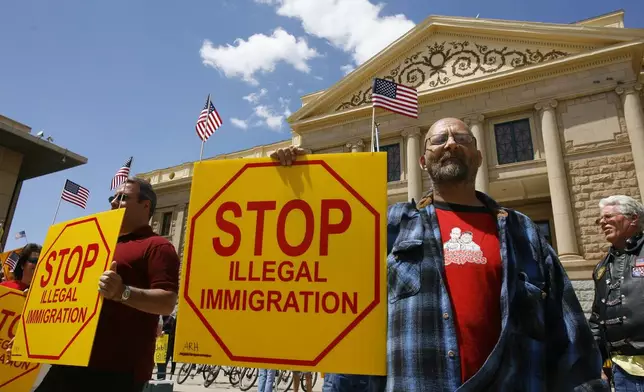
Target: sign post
(285,267)
(15,376)
(63,303)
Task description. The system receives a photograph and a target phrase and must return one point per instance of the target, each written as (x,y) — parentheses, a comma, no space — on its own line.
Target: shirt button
(603,300)
(445,316)
(451,354)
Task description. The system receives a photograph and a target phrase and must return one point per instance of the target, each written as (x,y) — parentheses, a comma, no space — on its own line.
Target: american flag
(122,174)
(208,122)
(20,234)
(75,194)
(12,260)
(395,97)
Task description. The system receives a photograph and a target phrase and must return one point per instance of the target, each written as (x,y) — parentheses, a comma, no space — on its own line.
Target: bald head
(449,124)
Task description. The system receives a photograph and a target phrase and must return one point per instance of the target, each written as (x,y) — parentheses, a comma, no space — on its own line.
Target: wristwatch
(126,294)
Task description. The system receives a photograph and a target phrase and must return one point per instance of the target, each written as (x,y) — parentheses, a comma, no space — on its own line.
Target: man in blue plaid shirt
(478,300)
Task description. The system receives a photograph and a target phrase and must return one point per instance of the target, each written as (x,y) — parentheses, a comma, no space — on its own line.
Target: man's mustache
(449,155)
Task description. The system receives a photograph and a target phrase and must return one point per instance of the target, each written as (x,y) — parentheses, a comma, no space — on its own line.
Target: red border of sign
(98,296)
(28,371)
(345,332)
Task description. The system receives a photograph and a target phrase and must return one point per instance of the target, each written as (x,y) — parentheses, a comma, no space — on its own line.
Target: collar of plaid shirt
(545,342)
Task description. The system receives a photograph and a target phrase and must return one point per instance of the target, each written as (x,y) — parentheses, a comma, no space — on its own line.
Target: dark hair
(25,254)
(145,192)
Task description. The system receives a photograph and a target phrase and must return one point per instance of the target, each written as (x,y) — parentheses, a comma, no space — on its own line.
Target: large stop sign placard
(284,267)
(63,303)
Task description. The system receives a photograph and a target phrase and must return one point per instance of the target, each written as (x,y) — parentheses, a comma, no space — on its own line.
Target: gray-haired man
(617,320)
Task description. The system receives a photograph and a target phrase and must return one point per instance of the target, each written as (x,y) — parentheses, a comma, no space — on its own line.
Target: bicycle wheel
(284,381)
(184,372)
(248,378)
(211,375)
(235,376)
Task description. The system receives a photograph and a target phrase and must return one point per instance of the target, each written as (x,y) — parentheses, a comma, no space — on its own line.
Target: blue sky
(113,79)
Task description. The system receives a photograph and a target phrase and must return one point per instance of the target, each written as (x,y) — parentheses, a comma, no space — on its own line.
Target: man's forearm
(154,301)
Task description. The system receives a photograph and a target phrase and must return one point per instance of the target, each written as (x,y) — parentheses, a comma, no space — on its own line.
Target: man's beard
(457,170)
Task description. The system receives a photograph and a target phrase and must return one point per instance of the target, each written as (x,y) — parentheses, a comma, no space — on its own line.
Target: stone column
(476,126)
(178,225)
(558,182)
(414,175)
(635,126)
(355,146)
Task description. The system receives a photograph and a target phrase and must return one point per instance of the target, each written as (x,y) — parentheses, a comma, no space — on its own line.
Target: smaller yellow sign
(6,269)
(63,300)
(161,349)
(14,376)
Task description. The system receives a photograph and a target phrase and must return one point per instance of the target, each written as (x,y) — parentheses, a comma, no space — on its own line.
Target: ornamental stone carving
(442,63)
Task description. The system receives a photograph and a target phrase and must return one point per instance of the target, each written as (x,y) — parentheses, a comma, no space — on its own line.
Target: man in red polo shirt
(141,284)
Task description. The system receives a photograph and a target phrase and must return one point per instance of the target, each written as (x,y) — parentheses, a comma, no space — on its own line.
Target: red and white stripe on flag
(209,121)
(395,97)
(75,194)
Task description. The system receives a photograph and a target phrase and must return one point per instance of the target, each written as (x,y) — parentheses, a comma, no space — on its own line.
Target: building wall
(590,122)
(10,162)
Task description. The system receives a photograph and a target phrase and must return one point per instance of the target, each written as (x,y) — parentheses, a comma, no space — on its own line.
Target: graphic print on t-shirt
(461,248)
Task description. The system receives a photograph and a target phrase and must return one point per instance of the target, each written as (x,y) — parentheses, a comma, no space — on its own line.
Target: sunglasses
(124,197)
(121,196)
(442,138)
(32,260)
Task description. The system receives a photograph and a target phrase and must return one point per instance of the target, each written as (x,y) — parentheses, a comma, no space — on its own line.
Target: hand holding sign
(110,284)
(287,156)
(8,351)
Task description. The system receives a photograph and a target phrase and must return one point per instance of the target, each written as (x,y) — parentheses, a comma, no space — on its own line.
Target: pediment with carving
(445,60)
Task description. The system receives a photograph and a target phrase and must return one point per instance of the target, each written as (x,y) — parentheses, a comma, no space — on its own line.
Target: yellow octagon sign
(14,375)
(63,300)
(285,267)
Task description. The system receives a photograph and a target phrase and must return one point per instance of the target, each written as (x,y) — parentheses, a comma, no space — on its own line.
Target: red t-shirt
(473,270)
(14,284)
(125,337)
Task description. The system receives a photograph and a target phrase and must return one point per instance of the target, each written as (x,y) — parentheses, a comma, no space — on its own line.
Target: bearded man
(501,316)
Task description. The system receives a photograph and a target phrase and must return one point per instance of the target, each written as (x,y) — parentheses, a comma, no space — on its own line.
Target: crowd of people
(477,298)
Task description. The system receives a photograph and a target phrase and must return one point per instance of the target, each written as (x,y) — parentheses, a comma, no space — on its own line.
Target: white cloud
(319,77)
(354,26)
(243,124)
(265,1)
(260,53)
(270,118)
(255,97)
(347,69)
(290,84)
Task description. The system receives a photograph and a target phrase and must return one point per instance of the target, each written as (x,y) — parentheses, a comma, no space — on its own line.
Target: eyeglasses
(121,196)
(441,138)
(124,197)
(608,217)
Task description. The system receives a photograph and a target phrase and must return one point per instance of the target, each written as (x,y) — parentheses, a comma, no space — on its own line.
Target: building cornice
(575,63)
(576,36)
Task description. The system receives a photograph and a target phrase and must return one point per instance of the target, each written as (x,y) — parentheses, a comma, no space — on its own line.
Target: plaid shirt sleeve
(572,356)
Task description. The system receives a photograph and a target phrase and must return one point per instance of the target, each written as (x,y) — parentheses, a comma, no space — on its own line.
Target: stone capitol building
(557,110)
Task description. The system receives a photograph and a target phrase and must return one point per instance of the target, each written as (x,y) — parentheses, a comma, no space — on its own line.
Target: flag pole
(57,207)
(373,127)
(203,140)
(128,176)
(376,125)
